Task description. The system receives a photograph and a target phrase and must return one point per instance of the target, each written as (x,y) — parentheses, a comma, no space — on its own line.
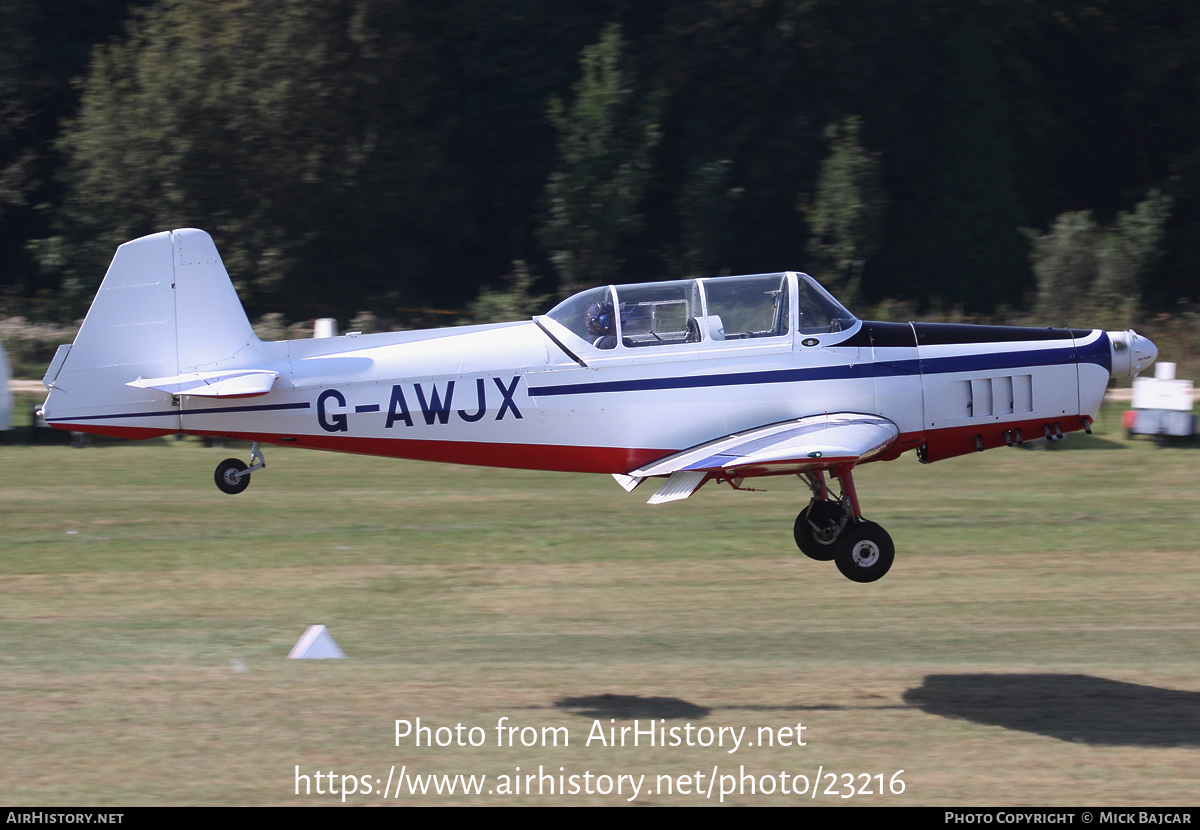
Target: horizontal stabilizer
(678,486)
(812,442)
(234,383)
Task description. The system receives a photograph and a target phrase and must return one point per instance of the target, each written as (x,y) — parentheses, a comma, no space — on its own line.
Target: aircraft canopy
(700,310)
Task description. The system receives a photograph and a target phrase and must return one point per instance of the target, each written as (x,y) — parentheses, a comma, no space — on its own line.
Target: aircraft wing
(814,442)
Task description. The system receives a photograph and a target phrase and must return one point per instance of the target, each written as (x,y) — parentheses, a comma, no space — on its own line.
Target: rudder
(211,325)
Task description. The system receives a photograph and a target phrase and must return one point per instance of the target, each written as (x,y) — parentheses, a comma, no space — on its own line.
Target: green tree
(516,302)
(705,206)
(297,133)
(1085,269)
(844,214)
(606,137)
(956,236)
(1130,248)
(43,46)
(1064,263)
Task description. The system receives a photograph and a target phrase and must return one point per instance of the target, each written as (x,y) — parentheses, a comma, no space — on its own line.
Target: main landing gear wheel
(227,478)
(819,543)
(864,552)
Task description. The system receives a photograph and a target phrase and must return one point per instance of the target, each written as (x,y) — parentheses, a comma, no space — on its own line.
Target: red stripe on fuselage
(517,456)
(949,442)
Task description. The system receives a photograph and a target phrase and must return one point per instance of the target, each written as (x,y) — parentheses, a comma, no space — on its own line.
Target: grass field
(1036,643)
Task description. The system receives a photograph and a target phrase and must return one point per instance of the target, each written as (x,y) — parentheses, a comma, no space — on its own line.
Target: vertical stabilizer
(166,307)
(129,332)
(212,326)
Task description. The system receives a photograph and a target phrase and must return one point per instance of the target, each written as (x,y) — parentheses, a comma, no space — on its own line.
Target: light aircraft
(690,381)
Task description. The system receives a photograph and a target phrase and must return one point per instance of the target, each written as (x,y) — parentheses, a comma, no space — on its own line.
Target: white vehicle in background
(690,381)
(1162,406)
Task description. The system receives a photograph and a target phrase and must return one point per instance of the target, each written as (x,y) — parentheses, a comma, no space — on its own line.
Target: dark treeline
(379,155)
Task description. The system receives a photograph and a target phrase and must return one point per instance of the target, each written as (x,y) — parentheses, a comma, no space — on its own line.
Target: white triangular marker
(316,644)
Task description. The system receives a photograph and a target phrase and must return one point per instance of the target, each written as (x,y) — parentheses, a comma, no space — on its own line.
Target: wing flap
(814,441)
(679,486)
(233,383)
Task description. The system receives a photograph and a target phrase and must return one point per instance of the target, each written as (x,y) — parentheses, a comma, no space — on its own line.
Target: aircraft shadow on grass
(635,706)
(1070,707)
(631,706)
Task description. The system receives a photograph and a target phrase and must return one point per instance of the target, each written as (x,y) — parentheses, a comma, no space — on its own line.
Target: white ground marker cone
(316,644)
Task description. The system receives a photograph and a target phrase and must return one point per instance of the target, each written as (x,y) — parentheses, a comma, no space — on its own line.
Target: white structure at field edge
(6,398)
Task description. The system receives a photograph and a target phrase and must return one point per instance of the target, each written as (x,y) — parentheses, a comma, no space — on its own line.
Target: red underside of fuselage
(939,444)
(951,441)
(517,456)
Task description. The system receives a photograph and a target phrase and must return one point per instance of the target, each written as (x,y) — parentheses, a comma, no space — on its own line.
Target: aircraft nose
(1131,353)
(1144,352)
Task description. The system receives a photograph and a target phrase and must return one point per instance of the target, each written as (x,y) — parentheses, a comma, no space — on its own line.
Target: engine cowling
(1131,353)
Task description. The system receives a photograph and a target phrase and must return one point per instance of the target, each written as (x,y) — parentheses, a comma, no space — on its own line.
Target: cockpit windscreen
(700,310)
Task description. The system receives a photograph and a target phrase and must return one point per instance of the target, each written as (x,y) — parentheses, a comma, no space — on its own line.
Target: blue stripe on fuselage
(210,411)
(927,366)
(1099,352)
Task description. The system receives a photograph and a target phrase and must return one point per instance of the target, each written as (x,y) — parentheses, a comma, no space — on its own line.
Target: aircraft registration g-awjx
(689,381)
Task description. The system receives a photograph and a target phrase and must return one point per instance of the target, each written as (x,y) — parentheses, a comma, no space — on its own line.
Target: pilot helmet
(600,319)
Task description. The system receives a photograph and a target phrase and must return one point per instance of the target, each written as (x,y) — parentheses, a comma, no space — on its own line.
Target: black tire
(228,484)
(821,547)
(864,552)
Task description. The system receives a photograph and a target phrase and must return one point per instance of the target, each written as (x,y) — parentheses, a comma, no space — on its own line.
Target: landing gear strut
(835,529)
(232,476)
(819,525)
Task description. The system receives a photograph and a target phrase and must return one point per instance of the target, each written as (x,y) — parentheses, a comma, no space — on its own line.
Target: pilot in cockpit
(602,326)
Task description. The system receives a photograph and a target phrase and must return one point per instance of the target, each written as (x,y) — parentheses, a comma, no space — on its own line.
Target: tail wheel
(227,478)
(864,552)
(819,542)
